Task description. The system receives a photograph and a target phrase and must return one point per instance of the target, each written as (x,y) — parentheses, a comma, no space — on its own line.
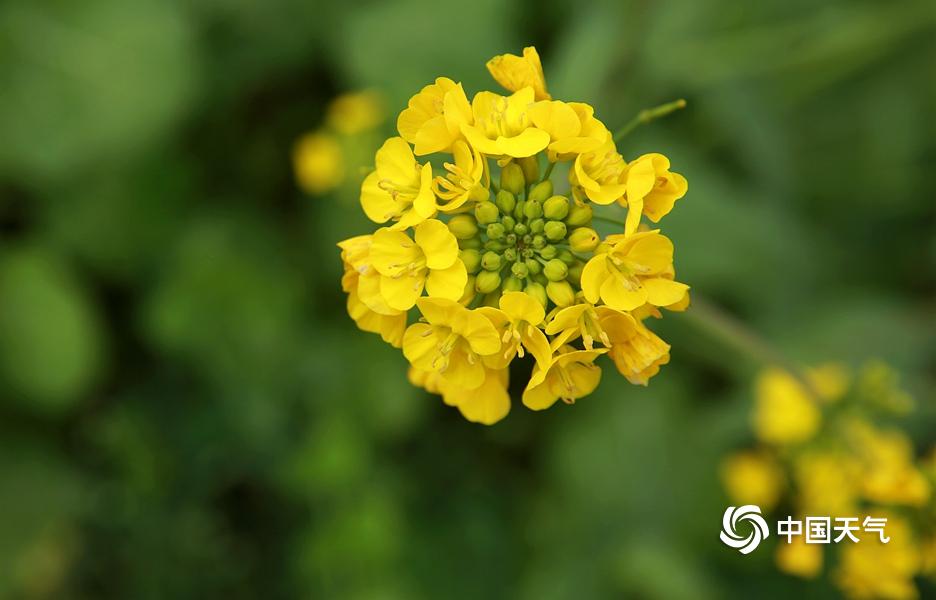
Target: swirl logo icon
(751,514)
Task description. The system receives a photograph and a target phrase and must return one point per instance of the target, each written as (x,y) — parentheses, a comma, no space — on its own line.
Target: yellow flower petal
(479,332)
(402,291)
(515,72)
(447,283)
(437,243)
(419,346)
(519,306)
(392,251)
(594,275)
(615,295)
(664,292)
(486,404)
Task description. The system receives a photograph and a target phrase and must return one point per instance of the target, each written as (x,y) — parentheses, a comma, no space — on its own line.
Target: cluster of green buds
(526,239)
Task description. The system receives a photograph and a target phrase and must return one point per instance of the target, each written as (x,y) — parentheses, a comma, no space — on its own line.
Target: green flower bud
(539,242)
(463,226)
(491,261)
(548,251)
(511,178)
(518,210)
(519,269)
(533,209)
(527,253)
(513,284)
(520,229)
(603,247)
(486,212)
(584,239)
(511,239)
(510,254)
(556,208)
(508,223)
(533,266)
(560,292)
(496,231)
(579,214)
(541,191)
(495,245)
(472,259)
(566,256)
(487,281)
(537,291)
(505,201)
(536,225)
(474,242)
(527,239)
(575,273)
(530,167)
(555,270)
(479,193)
(540,279)
(554,230)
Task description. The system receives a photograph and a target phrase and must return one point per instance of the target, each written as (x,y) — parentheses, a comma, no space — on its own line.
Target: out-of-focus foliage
(187,411)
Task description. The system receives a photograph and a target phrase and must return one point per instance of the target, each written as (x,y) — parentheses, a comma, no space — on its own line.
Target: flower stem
(731,331)
(647,115)
(549,170)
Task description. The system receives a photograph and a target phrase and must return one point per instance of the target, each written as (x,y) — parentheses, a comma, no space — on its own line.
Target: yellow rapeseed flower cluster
(321,158)
(482,259)
(821,454)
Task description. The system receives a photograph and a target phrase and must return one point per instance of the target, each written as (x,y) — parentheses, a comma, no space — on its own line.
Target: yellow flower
(651,189)
(635,350)
(400,188)
(502,125)
(890,476)
(406,266)
(517,72)
(432,120)
(827,482)
(486,404)
(451,343)
(631,273)
(572,128)
(466,179)
(799,558)
(874,570)
(784,413)
(362,283)
(570,376)
(752,477)
(518,321)
(599,174)
(355,112)
(318,162)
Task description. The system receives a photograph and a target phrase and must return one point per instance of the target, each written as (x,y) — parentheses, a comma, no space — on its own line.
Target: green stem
(647,115)
(717,323)
(548,172)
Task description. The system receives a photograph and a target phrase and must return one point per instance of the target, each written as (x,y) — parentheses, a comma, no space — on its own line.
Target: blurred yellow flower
(752,477)
(784,413)
(827,482)
(889,474)
(799,558)
(355,112)
(874,570)
(318,162)
(517,72)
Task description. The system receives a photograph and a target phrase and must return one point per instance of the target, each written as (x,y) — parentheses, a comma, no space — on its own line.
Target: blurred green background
(186,410)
